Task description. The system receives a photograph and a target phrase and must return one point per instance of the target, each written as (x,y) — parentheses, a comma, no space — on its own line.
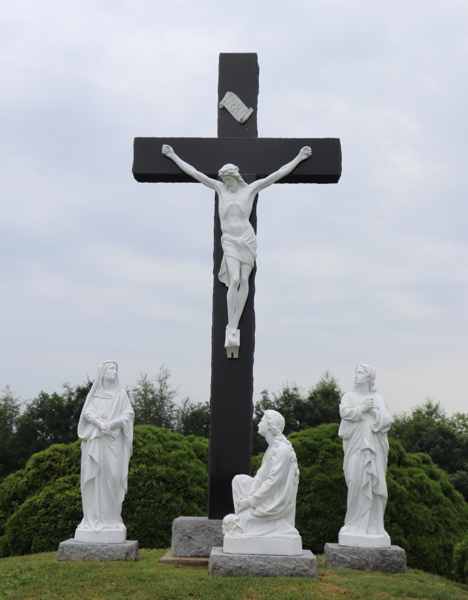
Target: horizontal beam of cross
(257,157)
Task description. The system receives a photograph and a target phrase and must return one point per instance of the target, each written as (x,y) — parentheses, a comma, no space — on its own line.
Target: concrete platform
(169,559)
(73,551)
(195,536)
(262,565)
(385,560)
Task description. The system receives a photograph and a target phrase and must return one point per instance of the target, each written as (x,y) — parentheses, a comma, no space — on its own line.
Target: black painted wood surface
(257,157)
(232,379)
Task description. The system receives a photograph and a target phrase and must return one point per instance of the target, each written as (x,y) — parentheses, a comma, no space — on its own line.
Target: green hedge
(41,504)
(460,561)
(425,514)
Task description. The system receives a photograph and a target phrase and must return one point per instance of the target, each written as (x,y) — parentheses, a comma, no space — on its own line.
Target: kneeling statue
(265,505)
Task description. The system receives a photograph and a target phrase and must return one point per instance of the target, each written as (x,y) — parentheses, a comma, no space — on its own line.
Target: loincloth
(243,249)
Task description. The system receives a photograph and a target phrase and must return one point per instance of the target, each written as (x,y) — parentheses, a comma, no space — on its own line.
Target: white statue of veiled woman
(106,431)
(365,422)
(266,504)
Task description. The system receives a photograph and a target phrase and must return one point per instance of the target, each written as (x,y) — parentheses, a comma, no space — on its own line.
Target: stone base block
(195,536)
(73,551)
(385,560)
(261,565)
(245,544)
(105,536)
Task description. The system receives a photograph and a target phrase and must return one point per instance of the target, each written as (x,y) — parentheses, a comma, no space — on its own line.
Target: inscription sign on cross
(237,143)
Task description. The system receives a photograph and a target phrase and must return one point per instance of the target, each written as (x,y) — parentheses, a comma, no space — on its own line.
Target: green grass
(40,576)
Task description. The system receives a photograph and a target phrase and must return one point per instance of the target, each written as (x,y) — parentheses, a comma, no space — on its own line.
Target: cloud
(94,264)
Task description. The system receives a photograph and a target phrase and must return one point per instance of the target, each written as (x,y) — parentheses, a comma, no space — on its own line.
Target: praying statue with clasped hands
(106,432)
(364,426)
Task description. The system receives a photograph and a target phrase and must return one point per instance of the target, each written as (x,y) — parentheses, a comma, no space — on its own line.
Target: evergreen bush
(40,506)
(43,468)
(425,514)
(460,561)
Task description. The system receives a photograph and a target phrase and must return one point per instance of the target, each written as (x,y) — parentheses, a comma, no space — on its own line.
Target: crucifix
(256,158)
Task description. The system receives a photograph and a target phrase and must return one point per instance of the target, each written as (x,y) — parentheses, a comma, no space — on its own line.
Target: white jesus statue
(238,241)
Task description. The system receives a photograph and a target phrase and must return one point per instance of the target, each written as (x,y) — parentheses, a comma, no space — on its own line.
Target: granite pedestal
(386,560)
(73,551)
(195,536)
(262,565)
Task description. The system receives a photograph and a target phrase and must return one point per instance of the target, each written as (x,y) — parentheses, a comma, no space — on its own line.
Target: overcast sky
(96,266)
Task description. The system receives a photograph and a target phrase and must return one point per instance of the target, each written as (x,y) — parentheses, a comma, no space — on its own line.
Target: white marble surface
(264,521)
(364,540)
(106,431)
(238,241)
(364,426)
(269,545)
(236,107)
(105,536)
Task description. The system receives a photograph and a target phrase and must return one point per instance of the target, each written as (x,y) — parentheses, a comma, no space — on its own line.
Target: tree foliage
(193,418)
(9,412)
(154,404)
(428,429)
(53,418)
(319,406)
(153,400)
(47,419)
(460,561)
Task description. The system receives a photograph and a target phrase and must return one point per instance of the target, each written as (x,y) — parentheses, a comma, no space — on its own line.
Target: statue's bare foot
(232,342)
(232,336)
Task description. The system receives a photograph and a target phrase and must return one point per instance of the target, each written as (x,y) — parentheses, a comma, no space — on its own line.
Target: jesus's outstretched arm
(261,184)
(168,151)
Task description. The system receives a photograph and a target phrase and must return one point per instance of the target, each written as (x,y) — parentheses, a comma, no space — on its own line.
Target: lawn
(40,576)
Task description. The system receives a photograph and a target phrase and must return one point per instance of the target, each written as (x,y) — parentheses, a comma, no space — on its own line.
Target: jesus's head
(229,174)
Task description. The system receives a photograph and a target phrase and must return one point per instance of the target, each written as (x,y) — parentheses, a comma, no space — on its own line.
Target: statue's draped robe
(365,446)
(272,495)
(104,459)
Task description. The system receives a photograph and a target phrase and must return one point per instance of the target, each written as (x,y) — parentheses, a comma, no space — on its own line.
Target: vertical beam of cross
(232,380)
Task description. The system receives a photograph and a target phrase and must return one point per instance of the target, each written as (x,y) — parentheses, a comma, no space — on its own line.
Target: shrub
(425,514)
(41,505)
(60,460)
(45,517)
(321,498)
(460,561)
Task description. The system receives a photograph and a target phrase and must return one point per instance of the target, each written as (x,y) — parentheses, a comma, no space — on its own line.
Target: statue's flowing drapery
(272,494)
(365,446)
(104,458)
(243,248)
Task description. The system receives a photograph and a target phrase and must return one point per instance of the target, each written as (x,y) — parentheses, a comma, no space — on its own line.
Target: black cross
(232,380)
